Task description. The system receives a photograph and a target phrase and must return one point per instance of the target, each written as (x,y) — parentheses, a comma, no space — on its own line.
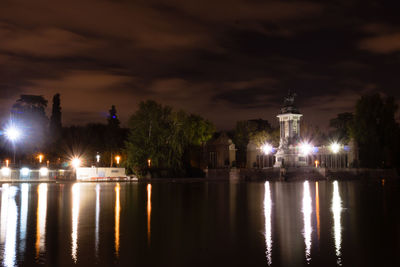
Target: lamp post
(98,158)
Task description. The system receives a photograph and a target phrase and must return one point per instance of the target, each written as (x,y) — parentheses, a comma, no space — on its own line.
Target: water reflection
(23,215)
(97,219)
(4,206)
(41,213)
(317,208)
(337,227)
(148,212)
(75,219)
(307,210)
(267,218)
(117,217)
(9,224)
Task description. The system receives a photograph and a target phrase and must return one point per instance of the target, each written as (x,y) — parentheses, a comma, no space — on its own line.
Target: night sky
(226,60)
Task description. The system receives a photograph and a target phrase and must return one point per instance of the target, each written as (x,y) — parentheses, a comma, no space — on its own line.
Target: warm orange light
(117,159)
(149,162)
(317,208)
(7,162)
(316,163)
(117,218)
(148,213)
(40,157)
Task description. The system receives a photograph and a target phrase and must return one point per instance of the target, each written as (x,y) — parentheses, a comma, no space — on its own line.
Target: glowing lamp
(267,149)
(40,157)
(335,147)
(12,133)
(5,171)
(76,162)
(306,148)
(43,171)
(117,159)
(97,158)
(24,171)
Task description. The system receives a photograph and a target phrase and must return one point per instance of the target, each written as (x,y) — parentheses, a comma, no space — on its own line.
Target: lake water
(310,223)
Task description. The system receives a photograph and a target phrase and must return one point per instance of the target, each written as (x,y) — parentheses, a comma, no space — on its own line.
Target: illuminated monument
(288,154)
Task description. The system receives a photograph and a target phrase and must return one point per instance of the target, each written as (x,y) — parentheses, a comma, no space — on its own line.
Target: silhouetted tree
(342,126)
(29,114)
(55,119)
(375,131)
(114,141)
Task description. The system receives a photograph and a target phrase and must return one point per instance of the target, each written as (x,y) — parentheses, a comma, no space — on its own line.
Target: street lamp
(13,134)
(335,147)
(306,148)
(267,148)
(40,158)
(117,159)
(76,162)
(98,157)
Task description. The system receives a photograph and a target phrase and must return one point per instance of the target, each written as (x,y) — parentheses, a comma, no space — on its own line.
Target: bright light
(12,133)
(149,162)
(40,157)
(7,162)
(24,171)
(266,148)
(117,159)
(307,211)
(97,158)
(306,148)
(337,226)
(335,147)
(76,162)
(5,171)
(268,223)
(43,171)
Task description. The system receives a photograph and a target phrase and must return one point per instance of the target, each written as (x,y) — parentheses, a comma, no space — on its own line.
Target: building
(221,152)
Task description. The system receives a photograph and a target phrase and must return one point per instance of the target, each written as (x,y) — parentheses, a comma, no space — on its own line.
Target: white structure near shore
(295,150)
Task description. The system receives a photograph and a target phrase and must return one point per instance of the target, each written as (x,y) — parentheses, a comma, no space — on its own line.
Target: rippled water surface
(325,223)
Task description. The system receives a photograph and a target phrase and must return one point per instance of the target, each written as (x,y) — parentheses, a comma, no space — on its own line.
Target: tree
(374,129)
(162,135)
(55,119)
(29,114)
(243,132)
(114,141)
(262,137)
(342,126)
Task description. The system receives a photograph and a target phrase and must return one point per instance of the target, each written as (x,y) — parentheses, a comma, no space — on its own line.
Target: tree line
(165,142)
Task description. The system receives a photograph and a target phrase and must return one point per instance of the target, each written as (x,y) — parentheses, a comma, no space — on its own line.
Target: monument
(288,153)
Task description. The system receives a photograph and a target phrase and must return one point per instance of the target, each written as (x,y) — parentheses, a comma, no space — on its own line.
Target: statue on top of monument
(288,103)
(289,99)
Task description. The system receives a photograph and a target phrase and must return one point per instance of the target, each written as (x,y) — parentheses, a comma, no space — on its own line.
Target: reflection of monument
(289,121)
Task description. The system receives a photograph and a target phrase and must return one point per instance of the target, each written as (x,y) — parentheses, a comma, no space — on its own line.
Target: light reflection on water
(337,227)
(117,217)
(10,227)
(268,226)
(23,216)
(149,213)
(75,220)
(103,223)
(41,214)
(97,226)
(307,210)
(317,209)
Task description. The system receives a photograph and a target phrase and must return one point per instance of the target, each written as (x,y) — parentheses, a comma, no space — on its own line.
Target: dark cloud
(226,59)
